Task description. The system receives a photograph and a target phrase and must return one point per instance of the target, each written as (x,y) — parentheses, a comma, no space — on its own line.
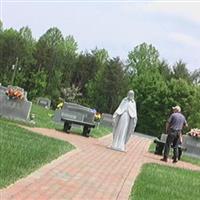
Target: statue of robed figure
(124,122)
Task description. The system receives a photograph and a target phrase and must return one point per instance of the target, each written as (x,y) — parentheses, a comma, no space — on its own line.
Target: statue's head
(130,95)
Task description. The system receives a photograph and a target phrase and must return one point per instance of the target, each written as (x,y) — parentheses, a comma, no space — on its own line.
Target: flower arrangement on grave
(97,117)
(15,93)
(60,105)
(195,132)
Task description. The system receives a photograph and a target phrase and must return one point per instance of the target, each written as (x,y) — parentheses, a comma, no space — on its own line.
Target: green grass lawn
(96,132)
(157,182)
(44,117)
(22,152)
(100,131)
(185,158)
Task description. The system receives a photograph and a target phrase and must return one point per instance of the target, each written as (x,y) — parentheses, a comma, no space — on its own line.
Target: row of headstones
(20,109)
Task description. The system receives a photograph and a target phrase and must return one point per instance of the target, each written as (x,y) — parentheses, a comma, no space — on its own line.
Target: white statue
(125,119)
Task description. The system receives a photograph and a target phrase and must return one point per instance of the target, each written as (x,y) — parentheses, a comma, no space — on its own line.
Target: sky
(172,27)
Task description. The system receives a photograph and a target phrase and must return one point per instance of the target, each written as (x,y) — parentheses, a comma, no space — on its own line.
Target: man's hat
(178,108)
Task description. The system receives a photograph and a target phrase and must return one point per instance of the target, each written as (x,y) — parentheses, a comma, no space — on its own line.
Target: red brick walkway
(91,172)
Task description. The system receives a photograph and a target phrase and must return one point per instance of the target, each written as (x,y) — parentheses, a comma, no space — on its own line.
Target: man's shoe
(175,161)
(164,159)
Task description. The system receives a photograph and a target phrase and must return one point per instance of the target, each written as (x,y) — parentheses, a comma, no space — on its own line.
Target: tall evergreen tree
(85,70)
(49,53)
(180,71)
(142,57)
(70,57)
(13,54)
(110,82)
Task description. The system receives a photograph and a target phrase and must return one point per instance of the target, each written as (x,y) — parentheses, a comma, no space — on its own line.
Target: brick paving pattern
(91,172)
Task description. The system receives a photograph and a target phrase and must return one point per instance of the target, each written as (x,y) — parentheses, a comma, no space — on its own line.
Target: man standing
(174,127)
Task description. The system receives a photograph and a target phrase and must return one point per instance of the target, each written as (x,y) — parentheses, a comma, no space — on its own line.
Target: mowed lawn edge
(23,151)
(157,182)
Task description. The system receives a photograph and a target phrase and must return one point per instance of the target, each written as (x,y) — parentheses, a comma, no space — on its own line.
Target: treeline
(52,67)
